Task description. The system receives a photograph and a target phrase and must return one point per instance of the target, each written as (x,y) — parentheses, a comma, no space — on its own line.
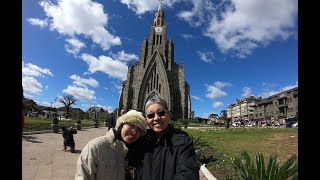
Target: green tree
(213,117)
(67,101)
(246,169)
(228,120)
(223,114)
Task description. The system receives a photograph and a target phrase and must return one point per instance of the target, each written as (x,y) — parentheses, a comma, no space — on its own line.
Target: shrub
(175,124)
(198,143)
(246,169)
(78,121)
(55,120)
(185,123)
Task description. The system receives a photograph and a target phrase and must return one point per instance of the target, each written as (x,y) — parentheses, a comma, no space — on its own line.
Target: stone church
(156,73)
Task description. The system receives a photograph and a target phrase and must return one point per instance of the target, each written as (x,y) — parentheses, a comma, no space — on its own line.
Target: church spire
(160,5)
(159,16)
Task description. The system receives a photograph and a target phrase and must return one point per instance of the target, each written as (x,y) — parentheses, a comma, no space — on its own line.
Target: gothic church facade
(156,73)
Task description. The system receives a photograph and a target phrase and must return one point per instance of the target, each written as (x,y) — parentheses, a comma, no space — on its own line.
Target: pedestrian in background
(68,139)
(111,121)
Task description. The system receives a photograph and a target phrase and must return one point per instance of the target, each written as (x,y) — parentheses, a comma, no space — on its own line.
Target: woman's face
(157,117)
(130,133)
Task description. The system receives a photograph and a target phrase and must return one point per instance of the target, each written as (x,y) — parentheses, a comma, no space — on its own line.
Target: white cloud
(27,95)
(187,36)
(245,25)
(31,85)
(220,84)
(197,98)
(236,26)
(141,6)
(217,104)
(206,56)
(107,65)
(48,104)
(29,82)
(80,93)
(215,91)
(84,82)
(268,93)
(122,56)
(74,46)
(34,70)
(74,17)
(38,22)
(246,91)
(288,87)
(206,115)
(197,15)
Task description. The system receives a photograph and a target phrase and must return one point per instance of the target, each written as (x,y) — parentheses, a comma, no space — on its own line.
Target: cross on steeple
(160,5)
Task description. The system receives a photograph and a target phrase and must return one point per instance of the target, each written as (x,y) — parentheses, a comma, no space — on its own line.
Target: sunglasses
(160,113)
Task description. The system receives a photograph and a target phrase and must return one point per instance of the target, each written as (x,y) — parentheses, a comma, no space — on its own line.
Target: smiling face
(157,117)
(130,133)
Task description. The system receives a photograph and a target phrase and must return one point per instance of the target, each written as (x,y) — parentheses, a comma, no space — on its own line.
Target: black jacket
(170,157)
(67,135)
(111,121)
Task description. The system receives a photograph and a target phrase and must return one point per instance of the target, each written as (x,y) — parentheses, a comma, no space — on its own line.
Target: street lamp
(50,111)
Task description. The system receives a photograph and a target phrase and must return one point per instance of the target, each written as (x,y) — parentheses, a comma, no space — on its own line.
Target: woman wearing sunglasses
(165,152)
(104,157)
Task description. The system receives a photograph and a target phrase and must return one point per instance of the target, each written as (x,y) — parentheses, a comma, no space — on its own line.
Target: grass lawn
(227,145)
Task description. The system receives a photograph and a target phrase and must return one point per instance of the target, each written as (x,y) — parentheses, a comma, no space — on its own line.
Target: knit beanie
(134,117)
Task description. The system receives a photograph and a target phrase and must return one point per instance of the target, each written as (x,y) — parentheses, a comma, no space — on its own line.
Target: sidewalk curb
(207,173)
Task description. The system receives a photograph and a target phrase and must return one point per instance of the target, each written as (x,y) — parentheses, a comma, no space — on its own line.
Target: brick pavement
(43,158)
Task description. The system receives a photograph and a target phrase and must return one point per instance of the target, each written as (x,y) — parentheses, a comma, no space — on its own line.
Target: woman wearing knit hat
(104,157)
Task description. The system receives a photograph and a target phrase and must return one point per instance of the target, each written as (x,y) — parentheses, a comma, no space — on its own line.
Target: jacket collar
(118,145)
(164,137)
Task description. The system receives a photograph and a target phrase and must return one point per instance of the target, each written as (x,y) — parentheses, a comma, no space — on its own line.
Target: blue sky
(229,48)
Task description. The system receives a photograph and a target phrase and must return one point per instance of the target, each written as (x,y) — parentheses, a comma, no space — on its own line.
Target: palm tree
(245,169)
(67,101)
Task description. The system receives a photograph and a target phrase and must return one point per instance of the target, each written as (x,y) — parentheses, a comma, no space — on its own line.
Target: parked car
(249,125)
(294,125)
(236,123)
(64,119)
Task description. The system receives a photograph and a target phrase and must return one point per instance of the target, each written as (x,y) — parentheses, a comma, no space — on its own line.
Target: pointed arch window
(157,81)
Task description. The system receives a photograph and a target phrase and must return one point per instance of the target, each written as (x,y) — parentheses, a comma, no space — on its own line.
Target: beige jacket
(102,158)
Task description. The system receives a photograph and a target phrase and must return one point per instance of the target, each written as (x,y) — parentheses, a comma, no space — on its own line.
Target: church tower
(156,74)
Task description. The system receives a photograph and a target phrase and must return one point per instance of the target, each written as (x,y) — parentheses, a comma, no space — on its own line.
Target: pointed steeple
(159,16)
(160,5)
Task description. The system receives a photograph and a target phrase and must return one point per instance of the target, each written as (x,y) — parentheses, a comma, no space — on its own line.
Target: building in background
(276,107)
(243,108)
(156,73)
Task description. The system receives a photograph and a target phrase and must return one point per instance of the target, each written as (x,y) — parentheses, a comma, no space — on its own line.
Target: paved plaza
(43,158)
